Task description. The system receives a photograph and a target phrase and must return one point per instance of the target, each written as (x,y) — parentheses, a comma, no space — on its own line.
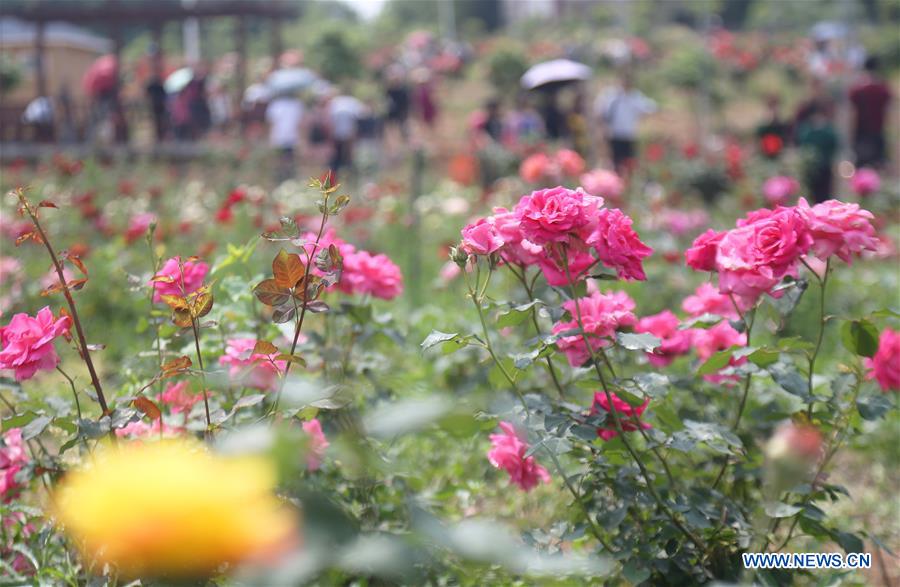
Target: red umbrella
(101,75)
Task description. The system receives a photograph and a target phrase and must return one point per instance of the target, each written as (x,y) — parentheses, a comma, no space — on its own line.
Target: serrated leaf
(287,268)
(437,337)
(517,314)
(264,347)
(763,357)
(271,294)
(789,379)
(638,341)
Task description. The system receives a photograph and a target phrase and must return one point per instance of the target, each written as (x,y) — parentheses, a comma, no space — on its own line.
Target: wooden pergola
(153,14)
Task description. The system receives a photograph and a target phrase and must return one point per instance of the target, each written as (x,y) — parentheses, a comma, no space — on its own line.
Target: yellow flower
(172,509)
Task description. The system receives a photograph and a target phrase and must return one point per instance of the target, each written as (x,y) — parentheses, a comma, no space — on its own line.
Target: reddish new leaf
(146,405)
(287,268)
(271,294)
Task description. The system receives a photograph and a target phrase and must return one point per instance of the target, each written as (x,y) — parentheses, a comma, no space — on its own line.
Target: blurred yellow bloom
(173,509)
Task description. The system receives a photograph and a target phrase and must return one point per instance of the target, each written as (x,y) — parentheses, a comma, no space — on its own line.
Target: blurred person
(219,107)
(523,123)
(576,123)
(156,96)
(198,105)
(620,110)
(344,112)
(369,130)
(819,140)
(318,133)
(492,124)
(554,119)
(773,134)
(253,108)
(397,97)
(284,115)
(423,99)
(870,98)
(815,95)
(39,116)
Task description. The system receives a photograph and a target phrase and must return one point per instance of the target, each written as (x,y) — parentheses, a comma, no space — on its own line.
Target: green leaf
(703,321)
(764,357)
(656,385)
(777,509)
(860,337)
(716,362)
(35,427)
(789,379)
(642,341)
(437,337)
(635,572)
(517,314)
(629,397)
(19,420)
(248,400)
(873,407)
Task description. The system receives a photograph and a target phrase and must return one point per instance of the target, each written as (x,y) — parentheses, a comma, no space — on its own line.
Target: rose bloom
(141,429)
(570,163)
(702,254)
(626,412)
(618,246)
(885,365)
(674,342)
(365,273)
(790,441)
(717,338)
(317,444)
(865,181)
(251,369)
(555,270)
(28,343)
(12,458)
(173,509)
(193,275)
(138,226)
(681,222)
(778,190)
(752,258)
(534,167)
(178,398)
(481,237)
(602,314)
(553,215)
(708,300)
(839,229)
(516,248)
(508,453)
(604,183)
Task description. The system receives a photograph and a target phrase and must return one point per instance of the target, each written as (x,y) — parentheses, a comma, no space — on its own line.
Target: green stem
(823,283)
(580,501)
(196,331)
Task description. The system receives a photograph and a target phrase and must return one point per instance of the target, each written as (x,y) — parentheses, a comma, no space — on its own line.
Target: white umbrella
(283,81)
(555,71)
(178,79)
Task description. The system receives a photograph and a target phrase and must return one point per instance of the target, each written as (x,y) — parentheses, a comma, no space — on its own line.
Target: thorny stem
(617,423)
(85,352)
(310,259)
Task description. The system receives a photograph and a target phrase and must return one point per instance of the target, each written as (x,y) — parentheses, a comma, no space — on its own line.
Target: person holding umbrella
(619,111)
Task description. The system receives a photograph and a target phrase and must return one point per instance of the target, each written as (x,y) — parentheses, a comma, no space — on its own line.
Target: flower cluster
(865,182)
(673,341)
(629,416)
(28,343)
(767,245)
(508,453)
(564,232)
(602,314)
(363,273)
(541,168)
(603,181)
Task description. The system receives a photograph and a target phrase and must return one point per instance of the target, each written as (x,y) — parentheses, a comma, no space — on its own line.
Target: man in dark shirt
(870,98)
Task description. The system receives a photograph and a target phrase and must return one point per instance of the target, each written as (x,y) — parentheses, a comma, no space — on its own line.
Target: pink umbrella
(101,75)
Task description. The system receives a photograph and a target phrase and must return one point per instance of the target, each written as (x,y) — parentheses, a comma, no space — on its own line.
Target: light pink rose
(254,370)
(885,365)
(192,279)
(674,342)
(603,183)
(365,273)
(708,300)
(508,453)
(141,429)
(569,162)
(839,229)
(766,246)
(702,254)
(12,458)
(626,412)
(553,215)
(481,237)
(779,189)
(138,226)
(516,248)
(682,222)
(317,444)
(865,181)
(28,343)
(602,314)
(617,245)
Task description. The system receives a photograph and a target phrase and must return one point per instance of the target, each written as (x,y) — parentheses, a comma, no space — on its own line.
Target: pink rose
(317,444)
(570,163)
(554,269)
(140,429)
(795,442)
(839,229)
(865,181)
(626,412)
(778,190)
(28,343)
(184,282)
(516,248)
(682,222)
(885,365)
(254,370)
(481,237)
(709,341)
(617,245)
(178,398)
(702,254)
(12,458)
(553,215)
(602,314)
(365,273)
(138,226)
(534,167)
(603,183)
(508,453)
(766,246)
(708,300)
(674,342)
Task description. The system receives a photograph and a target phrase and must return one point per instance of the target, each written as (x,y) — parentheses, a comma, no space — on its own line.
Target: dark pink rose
(626,412)
(865,181)
(28,343)
(702,254)
(508,453)
(602,314)
(617,245)
(365,273)
(885,365)
(185,280)
(674,342)
(317,444)
(554,215)
(481,237)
